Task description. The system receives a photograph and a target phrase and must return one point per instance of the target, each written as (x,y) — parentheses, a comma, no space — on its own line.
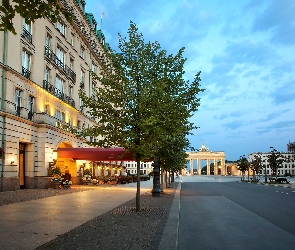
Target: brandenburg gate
(204,154)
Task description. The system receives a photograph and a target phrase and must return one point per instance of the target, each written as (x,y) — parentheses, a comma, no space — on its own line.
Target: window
(27,31)
(72,39)
(82,5)
(82,52)
(48,41)
(59,85)
(71,64)
(18,101)
(47,109)
(61,27)
(82,77)
(71,91)
(60,57)
(63,116)
(70,121)
(93,89)
(30,107)
(81,104)
(46,79)
(79,124)
(26,57)
(93,68)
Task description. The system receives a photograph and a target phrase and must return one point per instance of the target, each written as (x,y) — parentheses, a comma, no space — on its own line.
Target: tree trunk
(162,180)
(138,183)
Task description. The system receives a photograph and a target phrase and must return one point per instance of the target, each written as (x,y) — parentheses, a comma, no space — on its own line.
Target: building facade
(42,69)
(131,167)
(205,154)
(287,167)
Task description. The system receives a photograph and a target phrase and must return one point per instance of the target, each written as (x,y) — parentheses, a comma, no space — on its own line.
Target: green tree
(256,164)
(141,98)
(275,160)
(31,10)
(172,154)
(243,165)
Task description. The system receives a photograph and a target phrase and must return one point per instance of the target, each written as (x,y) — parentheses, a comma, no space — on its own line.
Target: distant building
(291,147)
(288,166)
(131,167)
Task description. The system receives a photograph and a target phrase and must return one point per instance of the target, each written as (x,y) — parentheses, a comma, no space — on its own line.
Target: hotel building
(42,69)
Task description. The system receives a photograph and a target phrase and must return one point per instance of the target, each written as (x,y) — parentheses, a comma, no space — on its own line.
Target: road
(222,213)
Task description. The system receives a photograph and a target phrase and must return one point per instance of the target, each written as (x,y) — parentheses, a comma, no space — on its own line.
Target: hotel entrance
(22,171)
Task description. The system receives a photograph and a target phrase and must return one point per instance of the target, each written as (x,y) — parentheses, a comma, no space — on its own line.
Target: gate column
(199,166)
(215,167)
(208,166)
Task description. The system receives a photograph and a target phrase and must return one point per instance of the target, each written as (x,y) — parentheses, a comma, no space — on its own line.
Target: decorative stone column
(215,167)
(208,166)
(199,166)
(192,166)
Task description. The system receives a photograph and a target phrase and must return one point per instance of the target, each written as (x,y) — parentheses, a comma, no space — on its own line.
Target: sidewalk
(27,225)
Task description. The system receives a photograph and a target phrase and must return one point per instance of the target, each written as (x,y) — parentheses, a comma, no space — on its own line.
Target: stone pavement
(27,225)
(30,224)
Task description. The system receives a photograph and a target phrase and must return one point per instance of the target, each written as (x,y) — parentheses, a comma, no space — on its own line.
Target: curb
(170,235)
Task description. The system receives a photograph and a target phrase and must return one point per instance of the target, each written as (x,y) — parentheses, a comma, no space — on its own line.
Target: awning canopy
(95,154)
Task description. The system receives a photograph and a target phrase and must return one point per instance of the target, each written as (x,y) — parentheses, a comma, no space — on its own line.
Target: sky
(245,51)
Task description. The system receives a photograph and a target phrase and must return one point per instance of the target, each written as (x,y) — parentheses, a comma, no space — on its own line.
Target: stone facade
(42,69)
(205,154)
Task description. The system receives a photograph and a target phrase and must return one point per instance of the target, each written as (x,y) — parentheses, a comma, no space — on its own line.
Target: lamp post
(156,191)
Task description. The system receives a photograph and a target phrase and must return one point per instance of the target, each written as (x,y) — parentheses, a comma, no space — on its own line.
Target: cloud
(279,19)
(283,93)
(235,124)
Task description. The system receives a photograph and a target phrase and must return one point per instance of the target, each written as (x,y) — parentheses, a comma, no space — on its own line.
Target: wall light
(11,162)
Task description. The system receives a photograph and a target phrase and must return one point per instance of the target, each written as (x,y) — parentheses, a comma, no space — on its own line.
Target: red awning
(1,150)
(95,154)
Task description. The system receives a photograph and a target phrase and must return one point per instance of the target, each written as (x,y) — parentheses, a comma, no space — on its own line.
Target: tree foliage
(256,164)
(31,10)
(275,160)
(141,99)
(243,165)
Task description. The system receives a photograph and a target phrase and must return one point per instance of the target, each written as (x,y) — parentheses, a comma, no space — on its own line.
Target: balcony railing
(30,115)
(26,73)
(59,94)
(27,35)
(18,110)
(49,53)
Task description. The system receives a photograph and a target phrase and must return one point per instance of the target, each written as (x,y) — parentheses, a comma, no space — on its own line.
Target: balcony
(27,35)
(26,73)
(56,92)
(53,58)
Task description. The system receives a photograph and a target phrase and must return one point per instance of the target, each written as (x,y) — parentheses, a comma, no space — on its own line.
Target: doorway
(21,160)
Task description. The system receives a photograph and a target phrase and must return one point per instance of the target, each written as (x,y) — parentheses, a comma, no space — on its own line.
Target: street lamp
(156,191)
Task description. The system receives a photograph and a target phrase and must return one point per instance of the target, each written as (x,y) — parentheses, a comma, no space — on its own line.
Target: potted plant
(56,171)
(57,182)
(101,180)
(94,182)
(67,184)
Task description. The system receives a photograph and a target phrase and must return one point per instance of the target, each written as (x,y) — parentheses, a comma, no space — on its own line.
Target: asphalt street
(217,214)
